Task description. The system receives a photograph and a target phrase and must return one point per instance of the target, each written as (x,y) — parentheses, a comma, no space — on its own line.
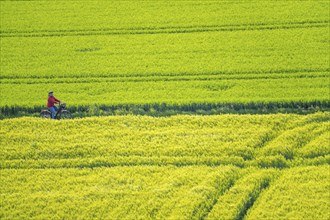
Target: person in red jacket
(51,103)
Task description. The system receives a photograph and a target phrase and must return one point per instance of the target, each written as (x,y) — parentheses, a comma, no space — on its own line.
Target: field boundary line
(166,109)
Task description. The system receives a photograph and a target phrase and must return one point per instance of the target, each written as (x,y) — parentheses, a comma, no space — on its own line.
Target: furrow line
(206,207)
(165,30)
(157,80)
(179,74)
(253,197)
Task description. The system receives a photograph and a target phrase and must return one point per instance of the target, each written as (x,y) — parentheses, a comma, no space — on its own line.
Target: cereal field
(243,85)
(179,167)
(124,54)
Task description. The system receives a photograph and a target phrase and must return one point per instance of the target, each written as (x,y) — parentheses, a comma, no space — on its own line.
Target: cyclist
(51,103)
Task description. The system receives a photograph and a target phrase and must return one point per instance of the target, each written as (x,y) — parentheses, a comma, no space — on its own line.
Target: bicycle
(61,113)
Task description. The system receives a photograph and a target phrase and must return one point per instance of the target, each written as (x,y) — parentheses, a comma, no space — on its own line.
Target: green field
(180,167)
(244,87)
(122,54)
(242,140)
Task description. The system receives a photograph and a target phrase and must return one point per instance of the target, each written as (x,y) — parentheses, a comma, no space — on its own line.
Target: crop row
(164,30)
(262,141)
(240,91)
(169,54)
(26,16)
(183,76)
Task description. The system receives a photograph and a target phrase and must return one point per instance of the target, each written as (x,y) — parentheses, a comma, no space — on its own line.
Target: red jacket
(51,101)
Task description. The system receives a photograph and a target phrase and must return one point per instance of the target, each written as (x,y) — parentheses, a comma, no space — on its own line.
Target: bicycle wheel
(65,114)
(45,114)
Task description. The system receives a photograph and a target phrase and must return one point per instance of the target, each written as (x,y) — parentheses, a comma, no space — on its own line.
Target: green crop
(266,141)
(161,58)
(180,167)
(309,87)
(295,195)
(278,50)
(154,52)
(73,16)
(240,197)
